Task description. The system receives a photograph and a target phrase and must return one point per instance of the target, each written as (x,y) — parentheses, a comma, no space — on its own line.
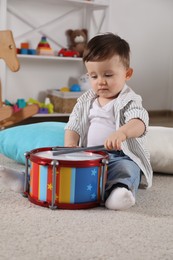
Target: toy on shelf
(25,49)
(75,88)
(77,39)
(72,88)
(44,108)
(68,53)
(84,82)
(64,89)
(21,103)
(9,54)
(43,47)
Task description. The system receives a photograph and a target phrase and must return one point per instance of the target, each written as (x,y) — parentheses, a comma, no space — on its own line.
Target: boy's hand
(133,129)
(114,140)
(71,145)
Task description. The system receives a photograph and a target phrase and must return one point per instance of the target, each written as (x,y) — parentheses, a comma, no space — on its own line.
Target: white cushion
(160,141)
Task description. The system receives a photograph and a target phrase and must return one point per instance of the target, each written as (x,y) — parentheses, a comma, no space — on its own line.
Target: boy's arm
(132,129)
(71,138)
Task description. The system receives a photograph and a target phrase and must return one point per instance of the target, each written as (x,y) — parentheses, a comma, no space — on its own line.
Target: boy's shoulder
(88,95)
(128,95)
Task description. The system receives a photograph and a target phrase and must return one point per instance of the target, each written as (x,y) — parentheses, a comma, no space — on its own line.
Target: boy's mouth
(103,89)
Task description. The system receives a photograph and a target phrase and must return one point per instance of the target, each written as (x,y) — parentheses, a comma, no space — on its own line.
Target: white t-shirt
(102,123)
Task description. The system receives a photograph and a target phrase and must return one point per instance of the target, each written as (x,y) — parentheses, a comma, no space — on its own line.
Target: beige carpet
(145,232)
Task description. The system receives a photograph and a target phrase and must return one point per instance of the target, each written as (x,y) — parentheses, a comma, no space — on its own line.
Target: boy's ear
(129,73)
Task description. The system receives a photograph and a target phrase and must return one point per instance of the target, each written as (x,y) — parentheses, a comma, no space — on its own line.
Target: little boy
(111,113)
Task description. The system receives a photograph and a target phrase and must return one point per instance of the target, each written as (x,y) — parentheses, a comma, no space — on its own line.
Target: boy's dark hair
(105,46)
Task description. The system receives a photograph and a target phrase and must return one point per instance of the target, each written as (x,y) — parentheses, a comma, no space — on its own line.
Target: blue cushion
(15,141)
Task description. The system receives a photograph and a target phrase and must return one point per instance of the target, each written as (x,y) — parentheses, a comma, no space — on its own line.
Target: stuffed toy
(77,40)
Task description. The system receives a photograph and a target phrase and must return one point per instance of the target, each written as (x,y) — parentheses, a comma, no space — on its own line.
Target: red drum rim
(47,161)
(69,206)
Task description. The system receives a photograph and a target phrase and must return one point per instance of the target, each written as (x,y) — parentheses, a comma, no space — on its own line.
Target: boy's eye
(108,75)
(93,76)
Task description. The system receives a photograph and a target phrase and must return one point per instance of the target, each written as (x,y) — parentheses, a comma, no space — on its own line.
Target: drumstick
(64,150)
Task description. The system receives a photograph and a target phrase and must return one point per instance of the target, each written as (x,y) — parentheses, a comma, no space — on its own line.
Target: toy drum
(70,181)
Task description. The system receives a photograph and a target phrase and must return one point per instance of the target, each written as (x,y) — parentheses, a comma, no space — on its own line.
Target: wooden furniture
(8,54)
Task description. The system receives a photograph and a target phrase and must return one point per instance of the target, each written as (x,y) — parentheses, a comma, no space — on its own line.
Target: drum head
(78,156)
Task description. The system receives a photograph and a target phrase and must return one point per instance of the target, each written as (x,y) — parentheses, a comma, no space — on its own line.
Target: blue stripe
(86,185)
(72,188)
(43,183)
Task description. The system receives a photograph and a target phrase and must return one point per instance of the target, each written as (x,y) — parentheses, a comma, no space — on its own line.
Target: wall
(148,27)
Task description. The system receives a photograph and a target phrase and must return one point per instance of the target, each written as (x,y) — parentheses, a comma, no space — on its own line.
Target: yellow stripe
(65,182)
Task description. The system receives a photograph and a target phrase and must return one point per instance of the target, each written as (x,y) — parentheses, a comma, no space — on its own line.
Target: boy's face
(108,77)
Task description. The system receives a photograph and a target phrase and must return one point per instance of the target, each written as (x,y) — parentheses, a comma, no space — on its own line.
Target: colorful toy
(21,103)
(16,108)
(70,182)
(77,39)
(24,45)
(24,49)
(43,107)
(75,88)
(43,110)
(43,48)
(68,53)
(64,89)
(9,54)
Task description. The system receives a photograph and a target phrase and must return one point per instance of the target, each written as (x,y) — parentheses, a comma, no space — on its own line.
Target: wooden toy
(32,52)
(24,45)
(8,50)
(25,49)
(44,48)
(27,52)
(8,54)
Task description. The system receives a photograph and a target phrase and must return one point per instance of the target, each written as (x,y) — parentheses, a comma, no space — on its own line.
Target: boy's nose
(101,81)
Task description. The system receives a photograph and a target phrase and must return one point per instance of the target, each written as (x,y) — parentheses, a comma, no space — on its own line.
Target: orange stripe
(34,180)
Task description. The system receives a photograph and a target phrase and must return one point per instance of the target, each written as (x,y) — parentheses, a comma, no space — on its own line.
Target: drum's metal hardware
(26,184)
(103,176)
(54,163)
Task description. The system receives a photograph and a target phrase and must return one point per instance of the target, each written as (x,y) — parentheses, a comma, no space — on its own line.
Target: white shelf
(92,2)
(46,57)
(101,3)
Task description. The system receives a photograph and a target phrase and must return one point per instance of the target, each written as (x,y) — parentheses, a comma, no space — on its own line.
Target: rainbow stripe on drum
(73,185)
